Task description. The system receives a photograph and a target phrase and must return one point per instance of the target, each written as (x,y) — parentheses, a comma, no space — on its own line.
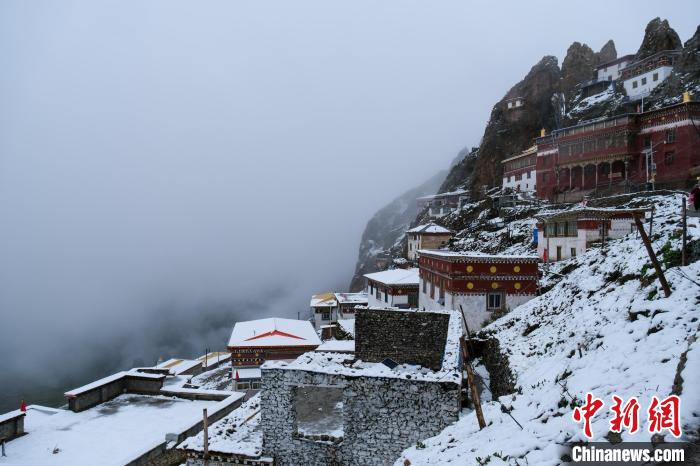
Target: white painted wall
(392,300)
(319,320)
(413,247)
(474,305)
(613,71)
(642,90)
(527,183)
(618,229)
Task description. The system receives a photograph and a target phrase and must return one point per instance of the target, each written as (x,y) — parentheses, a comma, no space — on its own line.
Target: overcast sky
(162,158)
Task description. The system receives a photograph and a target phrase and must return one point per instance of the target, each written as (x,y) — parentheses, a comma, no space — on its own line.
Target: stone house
(402,385)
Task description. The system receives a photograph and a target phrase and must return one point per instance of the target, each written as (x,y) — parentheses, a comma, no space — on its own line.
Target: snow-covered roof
(405,277)
(213,358)
(529,151)
(11,415)
(459,192)
(591,212)
(112,378)
(351,298)
(178,366)
(476,256)
(430,228)
(348,325)
(337,346)
(323,300)
(345,364)
(272,332)
(115,432)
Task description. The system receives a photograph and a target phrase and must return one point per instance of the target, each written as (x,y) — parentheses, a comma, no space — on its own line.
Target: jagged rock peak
(690,58)
(607,53)
(578,66)
(658,36)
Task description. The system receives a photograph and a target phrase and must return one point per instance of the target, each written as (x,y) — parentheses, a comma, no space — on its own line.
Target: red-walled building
(484,285)
(622,153)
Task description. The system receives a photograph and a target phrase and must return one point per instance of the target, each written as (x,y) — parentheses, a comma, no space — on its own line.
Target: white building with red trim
(255,341)
(484,286)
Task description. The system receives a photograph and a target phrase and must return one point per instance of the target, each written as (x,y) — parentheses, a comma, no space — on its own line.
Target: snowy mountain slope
(630,338)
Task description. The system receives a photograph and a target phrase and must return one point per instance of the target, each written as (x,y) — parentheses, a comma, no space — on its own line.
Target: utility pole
(652,256)
(685,232)
(206,435)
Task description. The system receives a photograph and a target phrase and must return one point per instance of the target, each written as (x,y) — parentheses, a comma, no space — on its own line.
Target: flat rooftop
(112,433)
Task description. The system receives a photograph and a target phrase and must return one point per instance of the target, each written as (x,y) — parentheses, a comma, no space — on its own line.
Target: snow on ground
(238,433)
(630,338)
(216,379)
(114,432)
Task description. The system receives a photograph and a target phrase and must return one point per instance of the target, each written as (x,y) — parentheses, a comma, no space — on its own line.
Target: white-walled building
(612,70)
(519,171)
(568,234)
(641,77)
(428,236)
(394,288)
(515,102)
(329,307)
(484,286)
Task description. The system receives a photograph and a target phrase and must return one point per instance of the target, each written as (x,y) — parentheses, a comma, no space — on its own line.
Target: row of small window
(519,176)
(599,143)
(654,77)
(554,229)
(248,386)
(669,138)
(378,293)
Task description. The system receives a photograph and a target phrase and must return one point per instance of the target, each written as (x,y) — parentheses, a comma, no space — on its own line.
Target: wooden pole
(652,256)
(471,380)
(685,232)
(206,434)
(651,221)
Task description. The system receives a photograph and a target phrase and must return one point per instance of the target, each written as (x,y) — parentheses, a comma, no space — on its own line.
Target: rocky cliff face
(385,230)
(607,53)
(509,131)
(658,36)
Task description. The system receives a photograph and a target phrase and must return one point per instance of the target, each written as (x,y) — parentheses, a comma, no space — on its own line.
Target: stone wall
(502,380)
(381,417)
(404,336)
(11,428)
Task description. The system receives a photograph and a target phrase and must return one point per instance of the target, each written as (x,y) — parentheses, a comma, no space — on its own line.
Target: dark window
(386,297)
(668,157)
(378,294)
(573,252)
(634,84)
(655,77)
(494,301)
(442,289)
(326,315)
(647,141)
(425,286)
(571,228)
(432,290)
(670,136)
(644,81)
(558,253)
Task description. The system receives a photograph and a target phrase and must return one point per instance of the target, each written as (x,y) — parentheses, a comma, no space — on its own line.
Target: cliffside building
(485,285)
(428,236)
(563,235)
(393,288)
(519,171)
(442,204)
(641,77)
(659,148)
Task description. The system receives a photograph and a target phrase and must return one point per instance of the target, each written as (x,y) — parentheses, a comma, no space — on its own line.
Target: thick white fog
(170,167)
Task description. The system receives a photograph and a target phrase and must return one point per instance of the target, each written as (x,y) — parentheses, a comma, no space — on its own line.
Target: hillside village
(473,338)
